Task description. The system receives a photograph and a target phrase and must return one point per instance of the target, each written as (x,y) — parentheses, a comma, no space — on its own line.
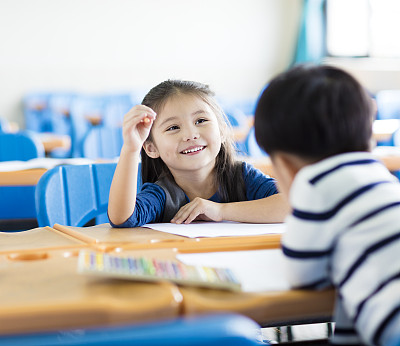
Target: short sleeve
(149,207)
(258,185)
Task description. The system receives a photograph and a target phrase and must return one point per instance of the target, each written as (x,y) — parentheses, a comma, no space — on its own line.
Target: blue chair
(252,147)
(84,106)
(17,203)
(74,195)
(388,107)
(20,146)
(35,105)
(117,105)
(388,104)
(214,330)
(4,125)
(102,142)
(59,107)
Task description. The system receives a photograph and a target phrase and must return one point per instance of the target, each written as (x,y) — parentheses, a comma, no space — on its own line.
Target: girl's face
(185,135)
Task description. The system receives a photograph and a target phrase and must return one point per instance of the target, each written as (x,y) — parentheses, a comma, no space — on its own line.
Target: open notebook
(218,229)
(43,162)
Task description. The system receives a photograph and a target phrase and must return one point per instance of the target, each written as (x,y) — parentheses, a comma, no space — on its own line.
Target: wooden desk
(42,291)
(47,293)
(267,309)
(106,238)
(53,141)
(94,119)
(25,177)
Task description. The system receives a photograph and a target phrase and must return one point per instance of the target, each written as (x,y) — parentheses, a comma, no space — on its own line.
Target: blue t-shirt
(150,200)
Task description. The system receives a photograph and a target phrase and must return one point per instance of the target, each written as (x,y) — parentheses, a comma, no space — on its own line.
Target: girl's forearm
(122,198)
(271,209)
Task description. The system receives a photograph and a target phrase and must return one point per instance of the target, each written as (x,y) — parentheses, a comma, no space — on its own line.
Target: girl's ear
(151,149)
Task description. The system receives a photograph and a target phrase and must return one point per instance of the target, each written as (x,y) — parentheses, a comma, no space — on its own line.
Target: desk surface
(107,238)
(53,141)
(45,294)
(27,177)
(41,289)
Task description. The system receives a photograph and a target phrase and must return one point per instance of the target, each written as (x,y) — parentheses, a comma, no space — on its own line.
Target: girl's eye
(201,120)
(174,127)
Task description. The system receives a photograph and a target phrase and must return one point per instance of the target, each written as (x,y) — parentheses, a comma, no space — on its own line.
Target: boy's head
(310,113)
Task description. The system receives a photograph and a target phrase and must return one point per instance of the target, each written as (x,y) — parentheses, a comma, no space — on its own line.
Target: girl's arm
(136,128)
(271,209)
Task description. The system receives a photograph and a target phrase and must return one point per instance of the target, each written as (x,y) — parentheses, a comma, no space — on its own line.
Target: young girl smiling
(188,164)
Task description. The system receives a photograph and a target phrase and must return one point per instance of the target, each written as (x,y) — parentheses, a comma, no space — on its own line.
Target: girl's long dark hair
(229,178)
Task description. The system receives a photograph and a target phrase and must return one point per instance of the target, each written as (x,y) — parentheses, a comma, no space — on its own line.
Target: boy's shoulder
(334,180)
(319,171)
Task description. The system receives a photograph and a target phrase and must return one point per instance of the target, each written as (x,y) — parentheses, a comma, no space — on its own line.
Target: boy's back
(344,229)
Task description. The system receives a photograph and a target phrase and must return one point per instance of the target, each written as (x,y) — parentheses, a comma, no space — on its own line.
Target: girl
(188,167)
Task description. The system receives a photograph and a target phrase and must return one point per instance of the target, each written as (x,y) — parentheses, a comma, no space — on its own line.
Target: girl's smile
(193,150)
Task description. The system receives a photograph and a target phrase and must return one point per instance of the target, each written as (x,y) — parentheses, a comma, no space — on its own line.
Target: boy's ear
(288,163)
(151,149)
(285,168)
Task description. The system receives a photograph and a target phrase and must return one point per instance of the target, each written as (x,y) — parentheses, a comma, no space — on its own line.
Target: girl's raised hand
(199,209)
(136,126)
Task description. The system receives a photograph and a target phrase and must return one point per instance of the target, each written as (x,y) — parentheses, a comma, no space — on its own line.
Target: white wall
(374,74)
(235,46)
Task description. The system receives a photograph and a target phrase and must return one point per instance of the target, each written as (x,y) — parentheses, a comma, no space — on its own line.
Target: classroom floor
(309,334)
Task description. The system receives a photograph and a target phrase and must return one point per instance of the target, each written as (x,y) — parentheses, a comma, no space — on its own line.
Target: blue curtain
(311,45)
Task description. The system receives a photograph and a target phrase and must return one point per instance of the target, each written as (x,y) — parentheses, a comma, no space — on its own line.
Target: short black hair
(314,112)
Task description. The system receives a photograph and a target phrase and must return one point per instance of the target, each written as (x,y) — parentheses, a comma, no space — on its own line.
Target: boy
(344,230)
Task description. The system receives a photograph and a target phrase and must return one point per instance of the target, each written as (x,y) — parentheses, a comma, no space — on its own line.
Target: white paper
(256,270)
(44,162)
(385,126)
(381,151)
(218,229)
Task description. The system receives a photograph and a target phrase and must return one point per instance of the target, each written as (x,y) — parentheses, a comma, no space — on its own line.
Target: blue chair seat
(214,330)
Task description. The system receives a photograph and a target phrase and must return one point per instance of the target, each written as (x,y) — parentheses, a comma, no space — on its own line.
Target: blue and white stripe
(345,231)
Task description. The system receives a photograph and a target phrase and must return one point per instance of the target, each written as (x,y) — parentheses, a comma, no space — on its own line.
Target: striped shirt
(344,231)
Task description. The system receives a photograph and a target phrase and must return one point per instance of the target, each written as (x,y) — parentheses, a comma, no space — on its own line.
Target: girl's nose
(190,134)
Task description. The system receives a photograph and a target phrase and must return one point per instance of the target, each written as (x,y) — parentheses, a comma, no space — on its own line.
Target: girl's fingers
(186,214)
(191,217)
(142,108)
(139,117)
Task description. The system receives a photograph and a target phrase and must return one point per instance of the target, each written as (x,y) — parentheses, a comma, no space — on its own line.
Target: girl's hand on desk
(136,126)
(198,209)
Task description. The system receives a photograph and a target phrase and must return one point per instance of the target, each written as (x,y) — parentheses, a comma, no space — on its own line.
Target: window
(363,28)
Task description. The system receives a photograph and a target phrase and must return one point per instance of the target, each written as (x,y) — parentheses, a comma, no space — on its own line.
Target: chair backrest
(210,330)
(82,107)
(4,125)
(116,107)
(20,146)
(102,142)
(36,111)
(252,147)
(388,104)
(74,195)
(59,105)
